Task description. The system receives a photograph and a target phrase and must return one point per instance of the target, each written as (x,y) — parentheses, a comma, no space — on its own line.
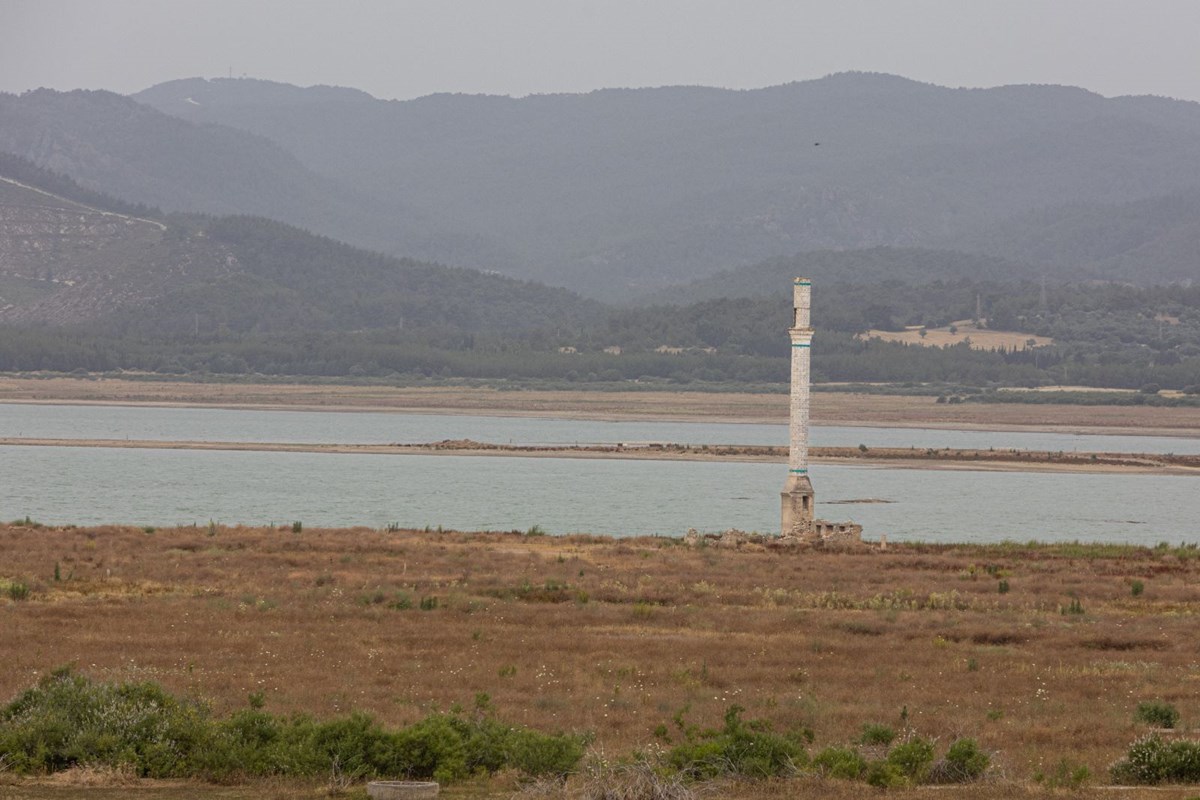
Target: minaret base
(798,501)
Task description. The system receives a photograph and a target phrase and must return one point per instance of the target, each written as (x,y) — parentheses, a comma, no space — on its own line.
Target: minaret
(798,498)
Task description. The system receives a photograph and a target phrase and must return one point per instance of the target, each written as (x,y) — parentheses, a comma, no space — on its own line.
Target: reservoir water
(62,485)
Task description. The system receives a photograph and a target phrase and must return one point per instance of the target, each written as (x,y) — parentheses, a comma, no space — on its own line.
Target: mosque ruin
(798,498)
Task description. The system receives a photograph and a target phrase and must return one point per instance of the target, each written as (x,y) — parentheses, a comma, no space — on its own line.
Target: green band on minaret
(801,345)
(798,471)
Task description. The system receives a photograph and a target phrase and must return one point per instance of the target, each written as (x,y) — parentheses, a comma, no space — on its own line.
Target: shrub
(912,758)
(1074,607)
(604,781)
(739,748)
(1065,775)
(964,762)
(68,720)
(1136,588)
(16,590)
(875,733)
(1151,760)
(539,754)
(886,776)
(844,763)
(1157,713)
(401,602)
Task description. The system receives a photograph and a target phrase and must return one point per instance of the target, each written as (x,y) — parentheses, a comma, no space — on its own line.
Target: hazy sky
(408,48)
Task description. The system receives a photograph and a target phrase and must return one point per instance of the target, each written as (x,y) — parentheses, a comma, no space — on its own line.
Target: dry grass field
(964,331)
(617,636)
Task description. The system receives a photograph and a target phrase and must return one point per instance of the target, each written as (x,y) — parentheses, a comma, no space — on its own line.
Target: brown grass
(615,636)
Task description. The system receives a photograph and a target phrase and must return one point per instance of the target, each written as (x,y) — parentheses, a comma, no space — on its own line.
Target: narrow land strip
(906,458)
(829,408)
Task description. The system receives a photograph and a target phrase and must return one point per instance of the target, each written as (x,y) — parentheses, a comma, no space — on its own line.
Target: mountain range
(620,194)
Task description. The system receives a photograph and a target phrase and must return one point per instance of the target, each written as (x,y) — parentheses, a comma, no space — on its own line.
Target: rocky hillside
(64,261)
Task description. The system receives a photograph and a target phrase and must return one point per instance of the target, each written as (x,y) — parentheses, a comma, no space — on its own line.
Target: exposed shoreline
(829,408)
(902,458)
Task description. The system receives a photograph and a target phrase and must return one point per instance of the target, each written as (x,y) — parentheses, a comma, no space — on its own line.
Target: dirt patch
(963,331)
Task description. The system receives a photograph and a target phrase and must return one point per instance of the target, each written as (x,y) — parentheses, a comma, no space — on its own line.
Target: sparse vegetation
(808,632)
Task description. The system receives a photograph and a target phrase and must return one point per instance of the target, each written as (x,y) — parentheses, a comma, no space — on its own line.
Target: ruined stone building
(798,517)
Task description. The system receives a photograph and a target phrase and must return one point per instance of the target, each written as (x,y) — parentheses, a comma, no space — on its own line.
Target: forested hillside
(109,143)
(93,277)
(1152,240)
(619,192)
(94,261)
(908,265)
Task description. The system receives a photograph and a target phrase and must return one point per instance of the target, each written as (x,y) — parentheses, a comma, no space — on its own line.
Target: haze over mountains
(94,261)
(620,193)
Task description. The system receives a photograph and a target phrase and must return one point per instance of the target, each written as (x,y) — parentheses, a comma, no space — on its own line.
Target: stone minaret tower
(798,497)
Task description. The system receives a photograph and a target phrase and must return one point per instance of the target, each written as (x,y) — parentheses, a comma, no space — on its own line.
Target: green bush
(844,763)
(1064,775)
(739,748)
(913,758)
(1151,761)
(876,734)
(964,762)
(883,775)
(1157,713)
(68,719)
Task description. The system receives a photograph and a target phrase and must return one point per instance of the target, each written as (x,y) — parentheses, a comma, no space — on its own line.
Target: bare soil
(965,331)
(841,408)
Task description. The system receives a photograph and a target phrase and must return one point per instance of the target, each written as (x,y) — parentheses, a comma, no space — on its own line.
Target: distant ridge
(910,265)
(623,191)
(620,193)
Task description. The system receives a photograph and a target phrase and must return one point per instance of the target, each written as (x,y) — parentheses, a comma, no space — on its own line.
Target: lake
(63,485)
